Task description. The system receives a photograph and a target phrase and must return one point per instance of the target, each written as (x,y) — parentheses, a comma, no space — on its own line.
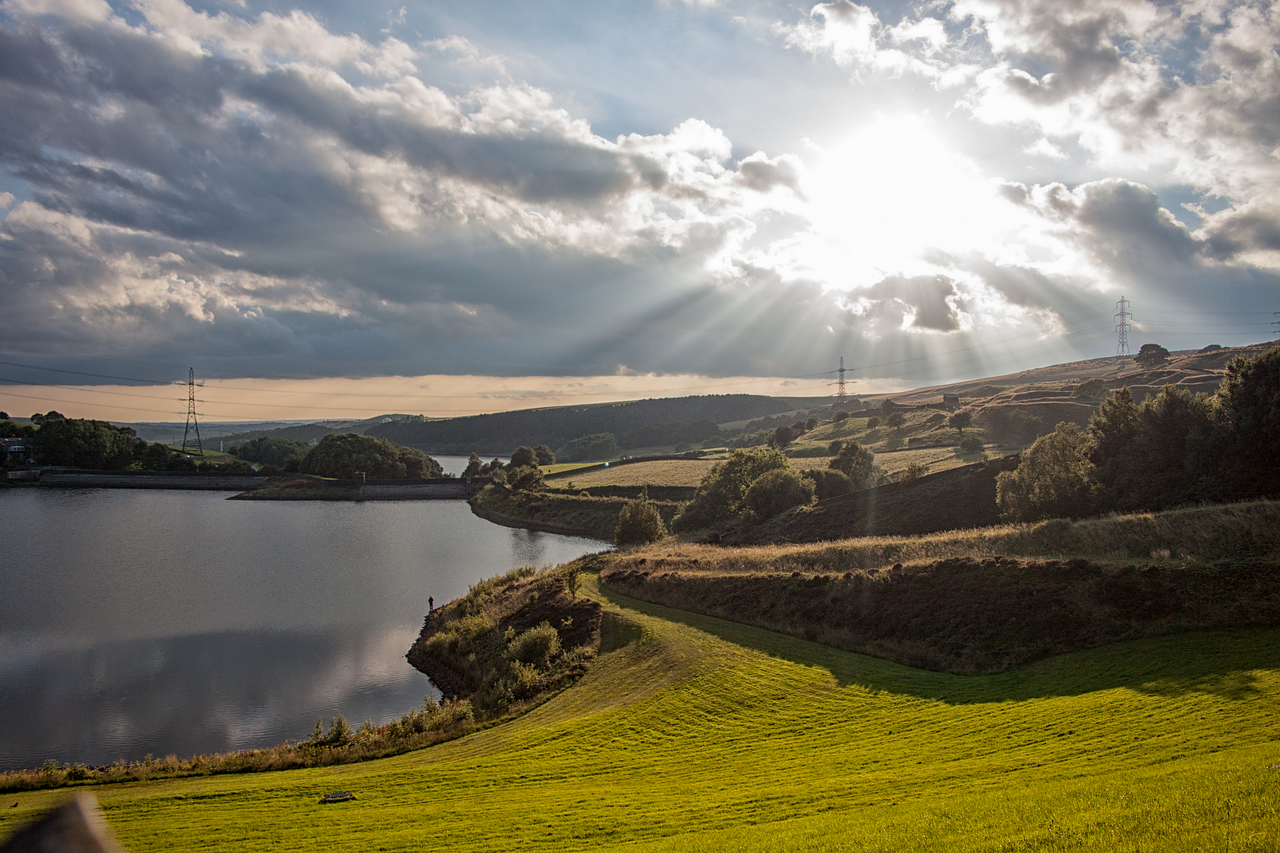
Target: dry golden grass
(668,472)
(1234,531)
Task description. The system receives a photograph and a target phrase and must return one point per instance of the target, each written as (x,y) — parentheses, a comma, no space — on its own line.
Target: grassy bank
(959,603)
(575,515)
(699,734)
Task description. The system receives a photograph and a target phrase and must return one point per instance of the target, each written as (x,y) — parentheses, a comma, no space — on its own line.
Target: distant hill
(503,432)
(236,432)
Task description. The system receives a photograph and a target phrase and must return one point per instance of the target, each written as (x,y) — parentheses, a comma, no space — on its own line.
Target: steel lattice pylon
(193,424)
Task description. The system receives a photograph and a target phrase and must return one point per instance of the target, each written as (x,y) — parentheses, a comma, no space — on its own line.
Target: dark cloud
(925,296)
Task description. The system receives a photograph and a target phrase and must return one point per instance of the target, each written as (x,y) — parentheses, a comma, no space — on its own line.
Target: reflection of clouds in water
(257,625)
(533,548)
(200,694)
(527,548)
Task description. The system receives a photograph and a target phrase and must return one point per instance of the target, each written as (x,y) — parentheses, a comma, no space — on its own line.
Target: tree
(600,445)
(475,468)
(342,455)
(77,443)
(639,522)
(840,415)
(896,420)
(722,493)
(544,454)
(782,436)
(1249,408)
(777,491)
(834,448)
(1151,355)
(960,420)
(873,422)
(855,462)
(887,406)
(1053,480)
(1112,431)
(523,457)
(269,450)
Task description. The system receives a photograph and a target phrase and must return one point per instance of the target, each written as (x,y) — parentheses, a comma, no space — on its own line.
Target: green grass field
(700,734)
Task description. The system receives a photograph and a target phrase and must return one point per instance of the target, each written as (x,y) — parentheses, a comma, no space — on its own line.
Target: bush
(897,420)
(960,420)
(834,448)
(971,444)
(639,522)
(1095,388)
(536,647)
(1053,480)
(914,471)
(840,415)
(873,422)
(829,483)
(525,479)
(777,491)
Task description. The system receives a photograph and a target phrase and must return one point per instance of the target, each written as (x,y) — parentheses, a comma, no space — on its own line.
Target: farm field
(699,734)
(666,472)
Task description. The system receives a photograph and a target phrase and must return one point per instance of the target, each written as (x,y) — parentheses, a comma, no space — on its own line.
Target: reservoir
(169,622)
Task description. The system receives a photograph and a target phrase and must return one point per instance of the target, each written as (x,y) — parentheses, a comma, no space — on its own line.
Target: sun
(889,195)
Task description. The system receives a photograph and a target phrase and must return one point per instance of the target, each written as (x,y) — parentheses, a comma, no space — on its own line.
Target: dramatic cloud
(265,192)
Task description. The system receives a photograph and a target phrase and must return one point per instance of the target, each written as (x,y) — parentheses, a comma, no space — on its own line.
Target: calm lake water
(166,622)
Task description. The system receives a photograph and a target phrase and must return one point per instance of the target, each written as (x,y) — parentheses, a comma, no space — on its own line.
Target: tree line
(1174,448)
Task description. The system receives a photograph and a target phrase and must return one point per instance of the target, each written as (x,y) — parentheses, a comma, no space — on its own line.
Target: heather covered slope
(989,599)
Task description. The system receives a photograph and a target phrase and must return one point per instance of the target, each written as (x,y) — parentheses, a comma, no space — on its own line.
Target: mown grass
(708,735)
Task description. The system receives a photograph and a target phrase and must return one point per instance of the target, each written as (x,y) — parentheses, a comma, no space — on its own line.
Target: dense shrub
(1095,388)
(971,444)
(829,483)
(639,522)
(777,491)
(525,479)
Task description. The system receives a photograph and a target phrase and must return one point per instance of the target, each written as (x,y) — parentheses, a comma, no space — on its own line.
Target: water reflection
(137,622)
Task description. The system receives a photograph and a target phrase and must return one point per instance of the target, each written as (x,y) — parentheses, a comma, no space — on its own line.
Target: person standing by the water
(431,604)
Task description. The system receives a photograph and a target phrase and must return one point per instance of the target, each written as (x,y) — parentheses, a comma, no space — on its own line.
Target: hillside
(966,602)
(503,432)
(692,734)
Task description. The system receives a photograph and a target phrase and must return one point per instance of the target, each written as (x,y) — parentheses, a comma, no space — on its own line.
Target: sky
(337,208)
